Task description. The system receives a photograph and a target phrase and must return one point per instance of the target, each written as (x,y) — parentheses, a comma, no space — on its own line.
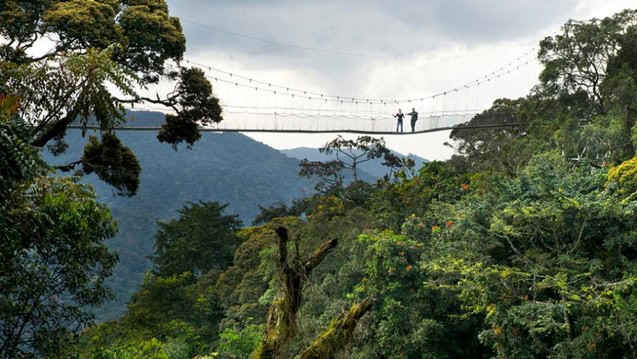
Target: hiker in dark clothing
(399,116)
(414,118)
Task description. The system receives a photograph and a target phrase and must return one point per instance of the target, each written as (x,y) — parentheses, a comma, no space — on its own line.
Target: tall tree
(99,54)
(349,155)
(53,260)
(577,60)
(498,148)
(283,314)
(203,238)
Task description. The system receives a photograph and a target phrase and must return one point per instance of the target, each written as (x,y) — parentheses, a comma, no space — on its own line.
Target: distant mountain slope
(229,168)
(225,167)
(373,167)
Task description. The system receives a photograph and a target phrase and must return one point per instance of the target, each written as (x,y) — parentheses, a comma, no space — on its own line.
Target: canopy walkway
(251,105)
(303,123)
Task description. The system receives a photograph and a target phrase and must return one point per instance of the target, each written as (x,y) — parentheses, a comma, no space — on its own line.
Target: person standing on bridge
(414,118)
(399,116)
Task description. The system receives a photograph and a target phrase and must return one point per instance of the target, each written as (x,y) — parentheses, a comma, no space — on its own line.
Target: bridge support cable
(256,106)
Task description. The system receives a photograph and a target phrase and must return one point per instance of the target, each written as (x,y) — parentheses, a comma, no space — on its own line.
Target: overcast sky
(375,48)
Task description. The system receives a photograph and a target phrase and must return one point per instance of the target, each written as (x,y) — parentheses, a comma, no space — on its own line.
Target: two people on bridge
(400,115)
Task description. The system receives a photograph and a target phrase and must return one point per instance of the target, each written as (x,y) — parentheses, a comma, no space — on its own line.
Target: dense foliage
(524,245)
(66,62)
(201,239)
(53,260)
(171,179)
(81,61)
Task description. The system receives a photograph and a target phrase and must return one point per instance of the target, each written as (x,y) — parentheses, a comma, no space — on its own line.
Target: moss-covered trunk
(282,316)
(331,341)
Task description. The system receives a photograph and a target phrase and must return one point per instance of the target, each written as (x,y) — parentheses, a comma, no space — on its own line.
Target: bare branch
(319,254)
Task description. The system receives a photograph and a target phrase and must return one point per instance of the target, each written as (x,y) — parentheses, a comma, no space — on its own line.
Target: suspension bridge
(253,105)
(290,123)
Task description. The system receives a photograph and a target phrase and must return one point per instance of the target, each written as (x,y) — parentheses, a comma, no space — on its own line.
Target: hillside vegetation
(523,245)
(228,168)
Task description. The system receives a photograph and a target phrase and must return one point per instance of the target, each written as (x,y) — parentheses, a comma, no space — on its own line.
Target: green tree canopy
(548,258)
(53,260)
(522,246)
(578,59)
(101,55)
(201,239)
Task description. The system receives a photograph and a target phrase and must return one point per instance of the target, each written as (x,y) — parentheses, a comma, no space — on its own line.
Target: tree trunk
(338,334)
(282,316)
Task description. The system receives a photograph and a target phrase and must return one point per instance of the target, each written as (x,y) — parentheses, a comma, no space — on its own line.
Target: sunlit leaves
(555,256)
(624,176)
(83,23)
(151,37)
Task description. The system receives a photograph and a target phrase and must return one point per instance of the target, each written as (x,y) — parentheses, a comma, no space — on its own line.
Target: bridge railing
(288,122)
(306,122)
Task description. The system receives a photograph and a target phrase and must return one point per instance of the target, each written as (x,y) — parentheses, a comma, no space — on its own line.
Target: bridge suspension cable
(504,70)
(253,105)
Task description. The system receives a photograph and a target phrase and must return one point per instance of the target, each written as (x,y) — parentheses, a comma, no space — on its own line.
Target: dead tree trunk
(327,344)
(282,316)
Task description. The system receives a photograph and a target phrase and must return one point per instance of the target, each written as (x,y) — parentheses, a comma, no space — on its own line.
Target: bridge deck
(247,130)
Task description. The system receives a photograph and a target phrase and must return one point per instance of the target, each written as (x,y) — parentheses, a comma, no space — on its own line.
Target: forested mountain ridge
(228,168)
(522,245)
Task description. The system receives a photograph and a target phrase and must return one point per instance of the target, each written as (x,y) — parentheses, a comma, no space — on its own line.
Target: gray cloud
(432,45)
(391,32)
(493,20)
(366,27)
